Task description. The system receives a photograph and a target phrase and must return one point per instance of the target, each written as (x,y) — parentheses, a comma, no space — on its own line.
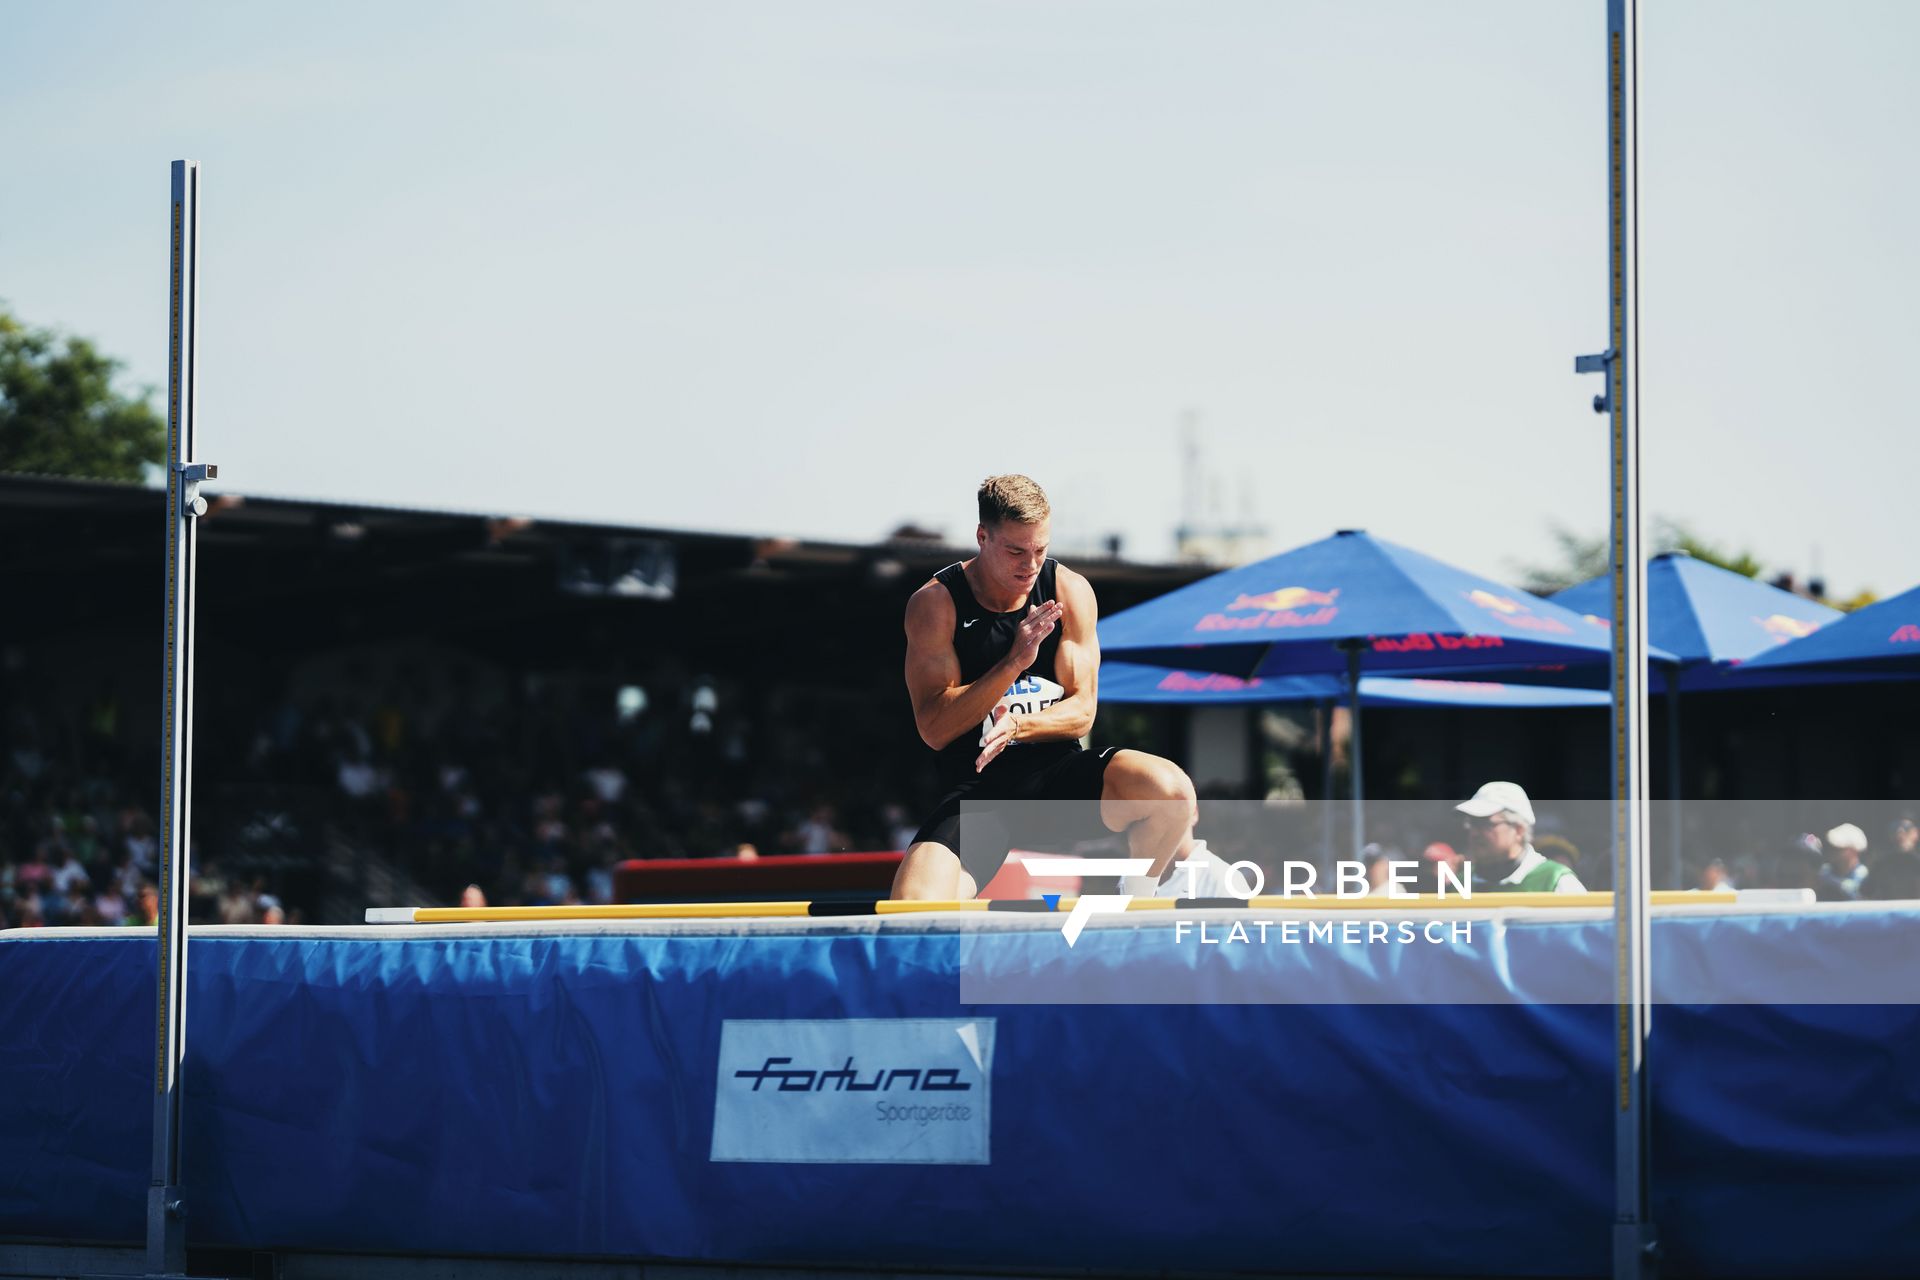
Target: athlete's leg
(927,871)
(1152,800)
(931,872)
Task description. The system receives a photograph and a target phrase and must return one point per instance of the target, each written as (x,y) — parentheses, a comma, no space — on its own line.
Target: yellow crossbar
(1267,902)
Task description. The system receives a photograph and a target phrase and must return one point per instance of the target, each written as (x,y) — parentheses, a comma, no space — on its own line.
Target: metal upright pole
(166,1210)
(1634,1250)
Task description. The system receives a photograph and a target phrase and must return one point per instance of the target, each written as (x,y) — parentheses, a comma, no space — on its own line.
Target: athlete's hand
(1034,628)
(1006,729)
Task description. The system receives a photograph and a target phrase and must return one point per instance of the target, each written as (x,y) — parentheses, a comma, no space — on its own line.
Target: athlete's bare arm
(1076,667)
(943,708)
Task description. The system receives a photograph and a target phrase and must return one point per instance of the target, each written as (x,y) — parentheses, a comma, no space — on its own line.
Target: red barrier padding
(783,877)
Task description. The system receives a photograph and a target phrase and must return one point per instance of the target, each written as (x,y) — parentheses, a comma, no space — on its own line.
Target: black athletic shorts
(1076,776)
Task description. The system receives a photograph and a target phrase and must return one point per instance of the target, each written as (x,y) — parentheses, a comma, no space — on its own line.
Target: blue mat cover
(554,1094)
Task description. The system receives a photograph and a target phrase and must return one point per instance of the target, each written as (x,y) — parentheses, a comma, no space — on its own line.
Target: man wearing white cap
(1499,826)
(1845,874)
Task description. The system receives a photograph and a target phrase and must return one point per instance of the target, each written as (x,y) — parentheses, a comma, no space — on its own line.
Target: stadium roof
(81,556)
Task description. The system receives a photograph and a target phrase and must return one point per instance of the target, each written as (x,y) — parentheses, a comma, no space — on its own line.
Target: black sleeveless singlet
(980,640)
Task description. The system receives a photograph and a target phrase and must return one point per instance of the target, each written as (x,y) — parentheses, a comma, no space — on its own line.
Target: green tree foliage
(59,412)
(1579,558)
(1671,535)
(1582,557)
(1858,600)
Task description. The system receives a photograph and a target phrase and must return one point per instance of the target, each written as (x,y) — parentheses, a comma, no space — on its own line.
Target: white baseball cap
(1499,797)
(1847,836)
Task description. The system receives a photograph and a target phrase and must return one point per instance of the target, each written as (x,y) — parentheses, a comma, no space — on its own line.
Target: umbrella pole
(1676,865)
(1353,713)
(1326,791)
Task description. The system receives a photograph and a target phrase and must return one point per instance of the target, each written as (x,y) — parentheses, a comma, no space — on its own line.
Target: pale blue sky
(815,268)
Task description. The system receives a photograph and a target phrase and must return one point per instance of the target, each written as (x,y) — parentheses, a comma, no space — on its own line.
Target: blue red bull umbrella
(1355,602)
(1310,610)
(1711,619)
(1881,638)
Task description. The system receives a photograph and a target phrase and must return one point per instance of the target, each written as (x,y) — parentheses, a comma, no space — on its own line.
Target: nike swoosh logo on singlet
(969,622)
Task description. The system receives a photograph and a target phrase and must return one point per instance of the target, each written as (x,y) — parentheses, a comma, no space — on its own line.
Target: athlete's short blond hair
(1014,498)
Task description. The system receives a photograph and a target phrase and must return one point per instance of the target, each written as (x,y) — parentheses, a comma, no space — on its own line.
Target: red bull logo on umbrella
(1281,607)
(1782,628)
(1908,634)
(1499,604)
(1423,642)
(1188,682)
(1514,613)
(1284,598)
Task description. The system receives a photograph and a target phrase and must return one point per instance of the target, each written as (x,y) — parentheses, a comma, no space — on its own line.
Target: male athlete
(1003,668)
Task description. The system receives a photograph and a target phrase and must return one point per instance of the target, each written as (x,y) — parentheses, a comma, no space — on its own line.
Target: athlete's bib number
(1026,695)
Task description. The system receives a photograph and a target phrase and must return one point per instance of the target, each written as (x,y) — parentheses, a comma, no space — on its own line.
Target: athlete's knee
(1174,794)
(928,871)
(1152,788)
(1167,781)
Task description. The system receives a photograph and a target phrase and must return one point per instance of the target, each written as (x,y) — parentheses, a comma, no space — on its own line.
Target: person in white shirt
(1842,878)
(1499,826)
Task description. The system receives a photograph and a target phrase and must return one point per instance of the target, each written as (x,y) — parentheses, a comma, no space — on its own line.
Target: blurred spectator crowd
(414,786)
(533,799)
(1841,865)
(79,846)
